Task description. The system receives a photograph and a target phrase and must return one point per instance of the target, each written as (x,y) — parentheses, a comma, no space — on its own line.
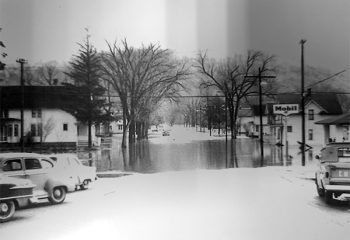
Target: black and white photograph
(174,119)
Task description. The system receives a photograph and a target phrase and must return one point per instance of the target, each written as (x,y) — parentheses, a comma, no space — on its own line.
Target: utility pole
(22,61)
(260,77)
(261,122)
(226,147)
(200,118)
(302,42)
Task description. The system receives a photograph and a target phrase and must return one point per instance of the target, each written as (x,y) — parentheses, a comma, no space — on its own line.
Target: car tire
(7,210)
(58,195)
(328,197)
(85,184)
(320,191)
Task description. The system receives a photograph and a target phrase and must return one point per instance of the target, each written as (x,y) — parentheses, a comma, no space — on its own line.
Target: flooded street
(187,149)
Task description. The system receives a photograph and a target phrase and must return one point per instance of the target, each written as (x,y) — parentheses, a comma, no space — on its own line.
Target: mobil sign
(285,109)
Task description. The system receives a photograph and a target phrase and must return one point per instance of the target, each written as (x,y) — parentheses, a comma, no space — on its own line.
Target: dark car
(166,133)
(13,190)
(333,173)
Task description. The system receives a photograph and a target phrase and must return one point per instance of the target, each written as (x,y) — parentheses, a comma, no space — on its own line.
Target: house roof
(245,112)
(58,97)
(343,119)
(256,109)
(327,101)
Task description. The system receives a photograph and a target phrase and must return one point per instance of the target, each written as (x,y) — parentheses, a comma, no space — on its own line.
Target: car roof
(20,154)
(60,155)
(338,144)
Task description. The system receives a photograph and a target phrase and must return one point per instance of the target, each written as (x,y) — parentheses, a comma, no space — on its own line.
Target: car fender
(54,182)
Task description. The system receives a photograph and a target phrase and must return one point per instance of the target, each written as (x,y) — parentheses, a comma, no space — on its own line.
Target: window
(40,128)
(9,130)
(12,165)
(311,134)
(256,128)
(311,114)
(32,163)
(46,163)
(36,113)
(15,133)
(36,129)
(33,130)
(65,126)
(289,128)
(120,127)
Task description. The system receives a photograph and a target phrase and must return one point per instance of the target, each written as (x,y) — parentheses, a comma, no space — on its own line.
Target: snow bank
(261,203)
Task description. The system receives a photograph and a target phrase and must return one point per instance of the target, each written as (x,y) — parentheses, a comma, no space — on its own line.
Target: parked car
(13,190)
(166,133)
(81,174)
(333,173)
(51,183)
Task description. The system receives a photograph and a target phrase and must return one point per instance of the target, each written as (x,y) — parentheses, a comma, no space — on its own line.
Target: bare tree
(2,54)
(48,73)
(141,77)
(189,111)
(48,126)
(230,77)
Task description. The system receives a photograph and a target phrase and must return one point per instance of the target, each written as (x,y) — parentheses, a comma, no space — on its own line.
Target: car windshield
(344,154)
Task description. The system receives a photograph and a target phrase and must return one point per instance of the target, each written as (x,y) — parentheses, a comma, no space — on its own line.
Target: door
(37,174)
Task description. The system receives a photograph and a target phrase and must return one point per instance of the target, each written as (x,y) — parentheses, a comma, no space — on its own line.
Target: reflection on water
(150,156)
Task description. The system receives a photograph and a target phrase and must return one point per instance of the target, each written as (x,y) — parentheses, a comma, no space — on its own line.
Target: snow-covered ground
(245,203)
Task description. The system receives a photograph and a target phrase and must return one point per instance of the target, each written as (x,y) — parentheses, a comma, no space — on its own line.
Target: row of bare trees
(143,77)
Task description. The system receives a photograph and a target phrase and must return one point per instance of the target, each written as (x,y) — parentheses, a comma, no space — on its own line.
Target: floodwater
(187,149)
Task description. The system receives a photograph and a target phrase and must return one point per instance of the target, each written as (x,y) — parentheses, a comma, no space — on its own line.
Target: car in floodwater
(82,175)
(12,192)
(51,182)
(333,173)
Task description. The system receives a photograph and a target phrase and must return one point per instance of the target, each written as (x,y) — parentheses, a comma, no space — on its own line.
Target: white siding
(317,129)
(57,118)
(61,117)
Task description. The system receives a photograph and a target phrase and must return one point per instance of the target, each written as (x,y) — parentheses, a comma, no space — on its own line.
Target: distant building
(245,121)
(323,120)
(336,128)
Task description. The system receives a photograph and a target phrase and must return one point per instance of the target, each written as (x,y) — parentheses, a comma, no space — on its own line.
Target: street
(260,203)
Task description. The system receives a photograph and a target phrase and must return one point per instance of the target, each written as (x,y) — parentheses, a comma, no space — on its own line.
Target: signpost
(286,110)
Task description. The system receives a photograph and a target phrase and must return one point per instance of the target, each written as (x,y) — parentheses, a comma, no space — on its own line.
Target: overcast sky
(44,30)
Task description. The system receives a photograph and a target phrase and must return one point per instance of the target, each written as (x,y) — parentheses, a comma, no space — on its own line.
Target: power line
(332,76)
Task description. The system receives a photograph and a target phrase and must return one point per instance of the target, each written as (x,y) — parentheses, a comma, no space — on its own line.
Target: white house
(46,119)
(40,125)
(317,108)
(116,127)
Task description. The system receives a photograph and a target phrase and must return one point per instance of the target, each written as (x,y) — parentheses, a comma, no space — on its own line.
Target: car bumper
(338,188)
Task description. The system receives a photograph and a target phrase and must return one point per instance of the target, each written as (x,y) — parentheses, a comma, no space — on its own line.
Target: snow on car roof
(20,154)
